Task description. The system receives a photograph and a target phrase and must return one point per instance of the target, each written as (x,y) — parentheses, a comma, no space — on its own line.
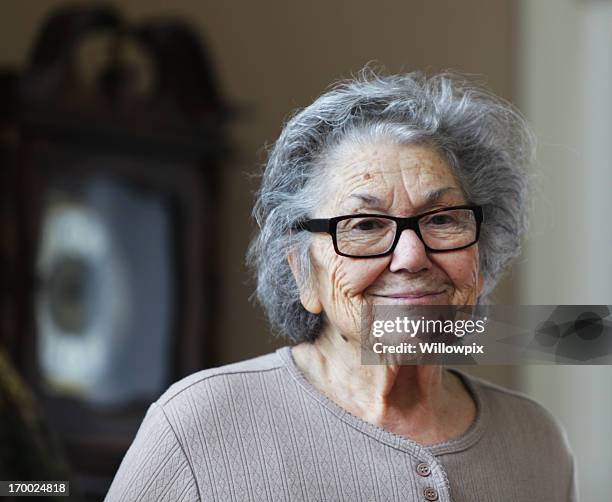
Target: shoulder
(217,379)
(195,418)
(223,402)
(522,419)
(529,435)
(214,387)
(515,403)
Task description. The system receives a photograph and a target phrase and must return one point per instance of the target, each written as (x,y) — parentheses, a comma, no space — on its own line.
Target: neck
(405,399)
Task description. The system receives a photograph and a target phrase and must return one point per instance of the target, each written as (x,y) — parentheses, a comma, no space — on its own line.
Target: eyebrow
(430,197)
(368,200)
(436,194)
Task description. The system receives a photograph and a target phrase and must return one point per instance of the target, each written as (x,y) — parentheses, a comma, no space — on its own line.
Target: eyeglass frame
(329,226)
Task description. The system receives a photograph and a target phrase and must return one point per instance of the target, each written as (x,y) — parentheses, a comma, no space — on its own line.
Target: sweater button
(430,494)
(423,469)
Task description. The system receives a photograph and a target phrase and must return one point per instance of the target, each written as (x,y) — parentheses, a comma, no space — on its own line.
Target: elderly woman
(309,422)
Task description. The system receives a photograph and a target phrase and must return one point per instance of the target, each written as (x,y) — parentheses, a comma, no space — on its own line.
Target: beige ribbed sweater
(259,431)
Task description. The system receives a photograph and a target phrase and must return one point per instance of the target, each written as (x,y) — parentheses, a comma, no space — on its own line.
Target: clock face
(105,304)
(71,284)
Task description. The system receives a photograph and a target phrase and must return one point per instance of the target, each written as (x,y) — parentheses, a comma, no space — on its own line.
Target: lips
(410,295)
(418,297)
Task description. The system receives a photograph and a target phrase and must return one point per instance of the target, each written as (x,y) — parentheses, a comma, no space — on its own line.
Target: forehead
(401,177)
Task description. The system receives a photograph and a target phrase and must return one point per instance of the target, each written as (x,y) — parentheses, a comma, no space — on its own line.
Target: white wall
(565,89)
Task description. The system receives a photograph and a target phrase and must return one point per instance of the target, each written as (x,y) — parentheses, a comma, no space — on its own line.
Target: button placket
(431,478)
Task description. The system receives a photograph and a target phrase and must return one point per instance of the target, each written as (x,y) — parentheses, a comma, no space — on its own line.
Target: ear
(308,295)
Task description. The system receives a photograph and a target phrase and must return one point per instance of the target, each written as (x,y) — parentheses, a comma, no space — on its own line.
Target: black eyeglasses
(375,235)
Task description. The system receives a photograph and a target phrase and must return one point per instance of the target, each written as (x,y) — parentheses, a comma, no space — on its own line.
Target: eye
(365,225)
(441,219)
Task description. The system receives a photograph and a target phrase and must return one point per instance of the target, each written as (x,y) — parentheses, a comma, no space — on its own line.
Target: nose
(409,254)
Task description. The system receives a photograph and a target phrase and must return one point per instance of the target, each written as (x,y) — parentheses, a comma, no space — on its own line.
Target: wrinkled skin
(400,176)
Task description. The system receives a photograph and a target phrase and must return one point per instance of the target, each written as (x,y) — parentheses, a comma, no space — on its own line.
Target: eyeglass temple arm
(321,225)
(479,213)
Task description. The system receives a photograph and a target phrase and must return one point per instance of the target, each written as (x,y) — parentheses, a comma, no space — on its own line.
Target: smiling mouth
(414,298)
(411,296)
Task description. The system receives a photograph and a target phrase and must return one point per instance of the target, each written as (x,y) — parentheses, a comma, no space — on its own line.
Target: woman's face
(397,180)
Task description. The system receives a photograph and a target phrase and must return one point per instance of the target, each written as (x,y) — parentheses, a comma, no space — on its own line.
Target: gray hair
(485,139)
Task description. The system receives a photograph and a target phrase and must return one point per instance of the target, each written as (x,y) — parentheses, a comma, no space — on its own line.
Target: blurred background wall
(565,83)
(550,57)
